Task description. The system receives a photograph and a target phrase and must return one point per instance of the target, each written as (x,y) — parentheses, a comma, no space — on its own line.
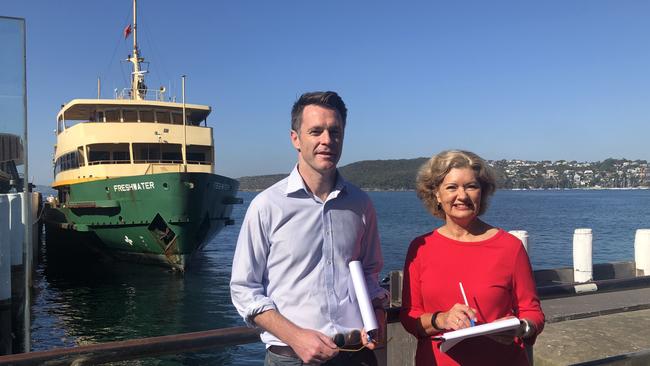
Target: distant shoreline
(400,175)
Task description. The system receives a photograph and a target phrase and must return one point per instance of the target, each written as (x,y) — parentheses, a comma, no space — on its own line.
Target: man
(290,273)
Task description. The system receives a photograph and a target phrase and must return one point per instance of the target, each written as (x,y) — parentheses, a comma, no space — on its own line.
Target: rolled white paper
(361,290)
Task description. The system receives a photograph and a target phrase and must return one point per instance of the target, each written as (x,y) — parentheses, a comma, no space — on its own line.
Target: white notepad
(450,339)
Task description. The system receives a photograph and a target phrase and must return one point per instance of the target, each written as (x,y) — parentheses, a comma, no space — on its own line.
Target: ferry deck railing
(151,169)
(149,94)
(165,166)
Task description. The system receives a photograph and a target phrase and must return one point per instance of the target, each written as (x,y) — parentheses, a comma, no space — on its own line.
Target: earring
(439,206)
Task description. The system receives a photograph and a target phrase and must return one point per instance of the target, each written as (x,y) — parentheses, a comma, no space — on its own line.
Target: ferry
(135,177)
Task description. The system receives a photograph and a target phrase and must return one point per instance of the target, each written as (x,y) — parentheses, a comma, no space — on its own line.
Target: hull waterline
(161,219)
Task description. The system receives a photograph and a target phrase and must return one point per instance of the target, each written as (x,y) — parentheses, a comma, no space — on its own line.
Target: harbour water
(85,304)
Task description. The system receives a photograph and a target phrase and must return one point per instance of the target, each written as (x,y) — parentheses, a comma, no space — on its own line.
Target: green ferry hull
(160,219)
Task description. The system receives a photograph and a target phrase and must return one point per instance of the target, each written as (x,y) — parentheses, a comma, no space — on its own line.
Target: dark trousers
(365,357)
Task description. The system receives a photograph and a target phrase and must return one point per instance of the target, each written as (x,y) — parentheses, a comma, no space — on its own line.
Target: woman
(491,264)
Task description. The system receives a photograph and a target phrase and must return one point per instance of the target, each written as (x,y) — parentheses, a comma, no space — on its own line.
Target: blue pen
(462,291)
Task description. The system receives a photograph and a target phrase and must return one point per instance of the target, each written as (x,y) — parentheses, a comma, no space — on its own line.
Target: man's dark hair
(327,99)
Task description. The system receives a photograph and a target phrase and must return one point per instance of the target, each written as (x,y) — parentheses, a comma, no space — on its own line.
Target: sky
(535,80)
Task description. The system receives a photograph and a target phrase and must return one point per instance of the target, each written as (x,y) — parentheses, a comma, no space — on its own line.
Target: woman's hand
(457,317)
(507,337)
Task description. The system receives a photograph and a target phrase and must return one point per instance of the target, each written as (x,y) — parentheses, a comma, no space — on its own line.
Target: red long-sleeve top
(498,281)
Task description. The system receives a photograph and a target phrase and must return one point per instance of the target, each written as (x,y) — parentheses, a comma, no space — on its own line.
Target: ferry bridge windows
(163,117)
(177,118)
(199,154)
(167,116)
(145,153)
(108,154)
(98,157)
(146,116)
(129,115)
(64,123)
(66,162)
(121,156)
(171,153)
(157,153)
(60,126)
(112,115)
(81,156)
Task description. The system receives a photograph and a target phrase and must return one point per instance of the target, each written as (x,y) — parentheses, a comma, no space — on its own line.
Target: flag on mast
(127,31)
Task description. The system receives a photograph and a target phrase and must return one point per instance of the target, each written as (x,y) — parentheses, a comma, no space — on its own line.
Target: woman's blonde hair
(434,171)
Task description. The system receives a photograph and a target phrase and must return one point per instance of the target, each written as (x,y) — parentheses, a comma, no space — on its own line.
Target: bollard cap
(518,232)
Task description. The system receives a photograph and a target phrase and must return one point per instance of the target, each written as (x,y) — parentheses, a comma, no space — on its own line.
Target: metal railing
(133,349)
(95,354)
(151,168)
(158,161)
(149,94)
(100,162)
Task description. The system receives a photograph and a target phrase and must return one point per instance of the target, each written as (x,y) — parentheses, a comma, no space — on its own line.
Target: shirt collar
(295,183)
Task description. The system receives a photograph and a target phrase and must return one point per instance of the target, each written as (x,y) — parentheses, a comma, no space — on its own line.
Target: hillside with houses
(510,174)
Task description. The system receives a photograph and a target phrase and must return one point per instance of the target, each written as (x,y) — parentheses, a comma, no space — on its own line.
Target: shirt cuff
(256,308)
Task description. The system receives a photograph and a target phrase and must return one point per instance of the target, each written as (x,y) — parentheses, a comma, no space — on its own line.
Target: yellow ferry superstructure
(115,138)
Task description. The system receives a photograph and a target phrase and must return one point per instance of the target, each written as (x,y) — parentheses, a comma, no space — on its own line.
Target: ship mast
(138,88)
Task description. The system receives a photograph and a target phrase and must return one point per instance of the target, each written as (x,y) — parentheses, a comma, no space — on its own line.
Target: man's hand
(380,336)
(313,346)
(310,345)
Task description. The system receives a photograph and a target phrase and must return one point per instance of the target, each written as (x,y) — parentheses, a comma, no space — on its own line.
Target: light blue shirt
(293,252)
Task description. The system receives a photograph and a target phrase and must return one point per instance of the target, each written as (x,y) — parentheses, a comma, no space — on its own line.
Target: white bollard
(5,250)
(642,251)
(521,235)
(582,255)
(16,228)
(5,278)
(17,242)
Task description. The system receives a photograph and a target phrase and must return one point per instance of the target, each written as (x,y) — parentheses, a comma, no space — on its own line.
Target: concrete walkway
(612,327)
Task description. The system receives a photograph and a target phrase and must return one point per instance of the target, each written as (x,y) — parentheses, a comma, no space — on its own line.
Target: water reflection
(86,303)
